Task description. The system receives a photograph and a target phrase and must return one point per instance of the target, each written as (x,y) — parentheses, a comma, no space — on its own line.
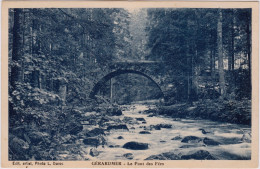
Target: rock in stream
(117,127)
(191,139)
(135,145)
(164,156)
(144,132)
(210,142)
(199,155)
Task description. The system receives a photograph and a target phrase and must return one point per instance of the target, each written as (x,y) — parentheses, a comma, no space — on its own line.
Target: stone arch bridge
(160,73)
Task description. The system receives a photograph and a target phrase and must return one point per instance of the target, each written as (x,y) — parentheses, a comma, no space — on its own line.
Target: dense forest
(204,43)
(213,48)
(56,56)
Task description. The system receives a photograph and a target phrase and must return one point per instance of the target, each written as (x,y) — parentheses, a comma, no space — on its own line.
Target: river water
(232,146)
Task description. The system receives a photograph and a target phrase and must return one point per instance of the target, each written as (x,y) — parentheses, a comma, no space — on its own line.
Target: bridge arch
(109,76)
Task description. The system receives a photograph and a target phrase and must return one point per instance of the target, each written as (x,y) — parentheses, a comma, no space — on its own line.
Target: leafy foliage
(54,56)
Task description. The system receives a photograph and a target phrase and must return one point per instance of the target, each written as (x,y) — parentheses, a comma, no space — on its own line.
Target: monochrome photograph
(138,84)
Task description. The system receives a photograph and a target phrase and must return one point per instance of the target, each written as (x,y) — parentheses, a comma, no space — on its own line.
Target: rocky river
(138,135)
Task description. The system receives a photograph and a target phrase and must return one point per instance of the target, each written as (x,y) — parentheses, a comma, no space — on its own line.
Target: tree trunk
(248,31)
(34,35)
(220,56)
(111,90)
(35,82)
(189,81)
(212,64)
(232,53)
(16,59)
(63,92)
(230,48)
(23,46)
(17,49)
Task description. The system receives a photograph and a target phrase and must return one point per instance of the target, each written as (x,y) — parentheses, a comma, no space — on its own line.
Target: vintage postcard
(117,84)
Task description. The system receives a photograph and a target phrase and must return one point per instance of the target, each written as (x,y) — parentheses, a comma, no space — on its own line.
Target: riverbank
(238,112)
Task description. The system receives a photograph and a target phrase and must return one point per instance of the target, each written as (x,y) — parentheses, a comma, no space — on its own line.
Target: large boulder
(246,138)
(164,156)
(92,141)
(151,115)
(210,142)
(95,132)
(120,137)
(191,145)
(168,126)
(159,126)
(114,146)
(176,138)
(128,156)
(191,139)
(127,119)
(140,119)
(150,111)
(144,132)
(117,127)
(203,131)
(155,127)
(135,145)
(199,155)
(93,152)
